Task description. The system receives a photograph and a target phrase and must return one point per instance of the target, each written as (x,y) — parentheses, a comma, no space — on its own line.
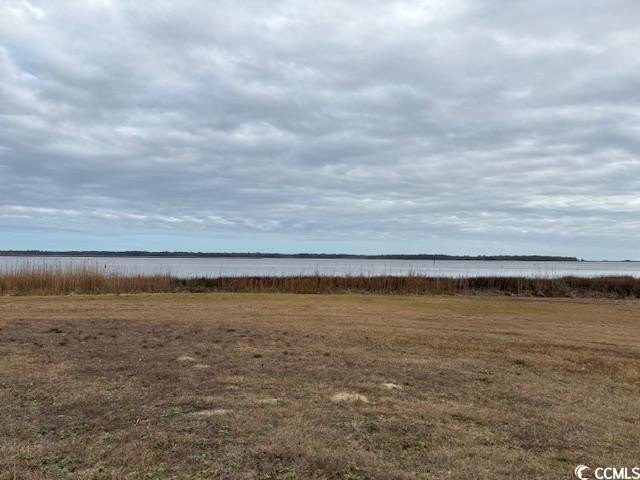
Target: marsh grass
(613,287)
(41,279)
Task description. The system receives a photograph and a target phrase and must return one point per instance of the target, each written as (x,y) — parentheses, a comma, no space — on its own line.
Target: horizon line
(201,254)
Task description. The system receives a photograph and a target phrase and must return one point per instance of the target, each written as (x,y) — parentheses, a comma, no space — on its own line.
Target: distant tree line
(139,253)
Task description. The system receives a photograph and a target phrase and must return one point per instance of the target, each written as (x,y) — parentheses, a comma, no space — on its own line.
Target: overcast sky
(449,126)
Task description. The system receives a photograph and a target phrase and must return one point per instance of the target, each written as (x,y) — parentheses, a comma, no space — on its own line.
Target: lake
(216,267)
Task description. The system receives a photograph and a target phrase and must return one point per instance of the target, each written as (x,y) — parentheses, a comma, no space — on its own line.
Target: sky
(361,126)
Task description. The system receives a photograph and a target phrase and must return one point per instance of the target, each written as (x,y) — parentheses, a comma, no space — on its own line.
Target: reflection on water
(216,267)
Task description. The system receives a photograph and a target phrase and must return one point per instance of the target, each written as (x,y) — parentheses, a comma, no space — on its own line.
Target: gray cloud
(484,127)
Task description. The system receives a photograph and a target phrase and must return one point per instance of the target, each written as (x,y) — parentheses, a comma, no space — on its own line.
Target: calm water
(214,267)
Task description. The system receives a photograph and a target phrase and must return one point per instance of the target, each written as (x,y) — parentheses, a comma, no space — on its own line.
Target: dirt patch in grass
(349,397)
(490,388)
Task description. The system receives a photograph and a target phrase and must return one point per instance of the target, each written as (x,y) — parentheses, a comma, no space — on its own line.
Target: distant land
(420,256)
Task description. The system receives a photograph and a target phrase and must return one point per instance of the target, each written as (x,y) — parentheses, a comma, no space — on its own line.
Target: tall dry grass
(614,287)
(41,279)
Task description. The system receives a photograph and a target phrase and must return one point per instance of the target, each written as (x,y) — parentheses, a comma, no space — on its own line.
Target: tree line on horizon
(167,254)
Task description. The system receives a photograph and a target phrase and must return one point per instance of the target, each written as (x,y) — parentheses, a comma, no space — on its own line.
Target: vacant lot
(305,387)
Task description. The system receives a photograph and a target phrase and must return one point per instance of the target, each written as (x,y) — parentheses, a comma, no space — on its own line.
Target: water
(216,267)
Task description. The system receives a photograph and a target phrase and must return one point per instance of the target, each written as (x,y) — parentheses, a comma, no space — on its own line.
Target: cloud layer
(397,126)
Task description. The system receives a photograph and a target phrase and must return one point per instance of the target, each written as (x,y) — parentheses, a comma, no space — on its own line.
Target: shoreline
(310,256)
(67,280)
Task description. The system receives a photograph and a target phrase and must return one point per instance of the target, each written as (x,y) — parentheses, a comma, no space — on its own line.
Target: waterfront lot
(314,386)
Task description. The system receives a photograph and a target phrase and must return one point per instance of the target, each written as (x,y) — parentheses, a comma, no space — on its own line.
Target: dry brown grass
(611,287)
(29,279)
(42,279)
(236,386)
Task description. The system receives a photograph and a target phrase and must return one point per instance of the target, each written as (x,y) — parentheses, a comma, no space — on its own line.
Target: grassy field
(259,386)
